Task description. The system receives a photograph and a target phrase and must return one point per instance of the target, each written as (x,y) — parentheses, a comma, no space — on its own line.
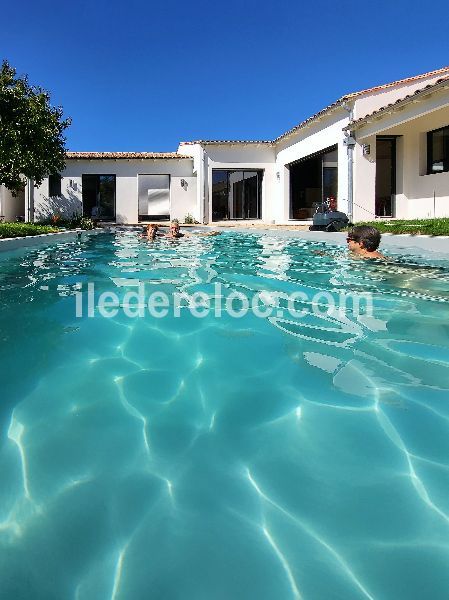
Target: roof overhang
(424,101)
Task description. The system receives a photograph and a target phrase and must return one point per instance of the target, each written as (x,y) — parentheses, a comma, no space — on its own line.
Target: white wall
(415,189)
(197,153)
(183,201)
(318,136)
(242,156)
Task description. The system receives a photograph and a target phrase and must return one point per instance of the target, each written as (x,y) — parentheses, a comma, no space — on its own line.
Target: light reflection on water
(223,458)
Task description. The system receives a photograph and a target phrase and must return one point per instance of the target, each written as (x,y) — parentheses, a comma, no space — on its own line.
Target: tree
(32,144)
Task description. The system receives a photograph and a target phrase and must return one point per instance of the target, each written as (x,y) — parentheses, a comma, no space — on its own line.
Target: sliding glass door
(99,196)
(312,180)
(236,194)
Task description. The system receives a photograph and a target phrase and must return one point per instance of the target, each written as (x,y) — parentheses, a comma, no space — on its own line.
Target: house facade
(381,152)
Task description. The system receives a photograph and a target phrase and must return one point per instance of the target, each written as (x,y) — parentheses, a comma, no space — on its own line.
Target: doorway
(99,196)
(236,194)
(312,180)
(385,176)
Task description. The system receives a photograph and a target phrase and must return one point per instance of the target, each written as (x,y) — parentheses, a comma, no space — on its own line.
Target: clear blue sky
(143,75)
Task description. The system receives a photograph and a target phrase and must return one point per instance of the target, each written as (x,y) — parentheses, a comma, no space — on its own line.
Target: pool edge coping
(15,243)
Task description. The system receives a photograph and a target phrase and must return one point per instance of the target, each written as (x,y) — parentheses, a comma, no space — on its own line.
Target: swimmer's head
(364,235)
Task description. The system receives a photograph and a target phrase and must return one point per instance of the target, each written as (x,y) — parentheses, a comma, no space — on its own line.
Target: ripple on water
(299,457)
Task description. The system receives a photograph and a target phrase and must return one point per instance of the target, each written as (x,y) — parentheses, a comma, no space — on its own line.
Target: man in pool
(363,242)
(175,232)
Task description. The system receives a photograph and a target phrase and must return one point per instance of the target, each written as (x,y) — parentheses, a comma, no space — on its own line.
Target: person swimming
(175,232)
(363,242)
(151,232)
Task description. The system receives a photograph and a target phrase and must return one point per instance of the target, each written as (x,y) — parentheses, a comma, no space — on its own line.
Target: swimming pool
(220,457)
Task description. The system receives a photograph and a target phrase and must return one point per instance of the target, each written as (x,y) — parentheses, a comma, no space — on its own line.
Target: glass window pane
(220,199)
(438,150)
(54,185)
(251,197)
(107,196)
(236,188)
(236,194)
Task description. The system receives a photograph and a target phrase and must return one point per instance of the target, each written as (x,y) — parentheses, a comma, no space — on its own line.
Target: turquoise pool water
(222,458)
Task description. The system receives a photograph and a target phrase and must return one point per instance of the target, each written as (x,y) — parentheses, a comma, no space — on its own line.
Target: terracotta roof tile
(354,95)
(399,81)
(408,98)
(218,142)
(117,155)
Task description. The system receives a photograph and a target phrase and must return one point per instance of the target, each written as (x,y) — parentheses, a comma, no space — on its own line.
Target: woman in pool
(152,231)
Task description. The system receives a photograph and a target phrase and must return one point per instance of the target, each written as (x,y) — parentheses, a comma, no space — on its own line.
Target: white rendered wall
(242,156)
(197,153)
(318,136)
(415,190)
(183,200)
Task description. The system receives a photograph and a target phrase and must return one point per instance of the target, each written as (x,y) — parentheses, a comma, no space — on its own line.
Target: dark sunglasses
(350,239)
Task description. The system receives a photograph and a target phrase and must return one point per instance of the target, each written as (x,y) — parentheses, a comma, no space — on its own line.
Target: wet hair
(369,237)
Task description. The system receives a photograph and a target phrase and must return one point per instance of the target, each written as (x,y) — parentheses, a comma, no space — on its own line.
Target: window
(438,150)
(54,185)
(236,194)
(99,196)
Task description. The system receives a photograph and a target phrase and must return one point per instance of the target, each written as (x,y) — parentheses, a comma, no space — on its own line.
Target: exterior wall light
(184,183)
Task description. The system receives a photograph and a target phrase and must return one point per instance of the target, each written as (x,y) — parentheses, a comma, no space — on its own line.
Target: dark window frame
(445,157)
(54,185)
(99,175)
(260,173)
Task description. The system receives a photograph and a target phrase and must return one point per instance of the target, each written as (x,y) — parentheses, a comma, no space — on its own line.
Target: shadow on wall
(64,206)
(121,219)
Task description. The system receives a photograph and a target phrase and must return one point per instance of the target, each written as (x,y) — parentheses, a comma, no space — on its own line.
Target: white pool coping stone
(405,242)
(44,238)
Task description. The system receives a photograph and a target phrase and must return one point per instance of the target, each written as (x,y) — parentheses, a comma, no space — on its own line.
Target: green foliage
(31,132)
(189,220)
(415,226)
(11,230)
(74,222)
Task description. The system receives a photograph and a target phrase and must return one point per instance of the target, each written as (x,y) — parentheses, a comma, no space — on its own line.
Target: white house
(382,152)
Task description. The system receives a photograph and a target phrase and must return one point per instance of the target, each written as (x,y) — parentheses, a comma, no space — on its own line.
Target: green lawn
(11,230)
(414,226)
